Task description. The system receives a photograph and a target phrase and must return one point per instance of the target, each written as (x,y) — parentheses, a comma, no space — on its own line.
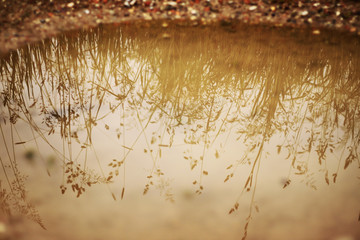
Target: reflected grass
(185,86)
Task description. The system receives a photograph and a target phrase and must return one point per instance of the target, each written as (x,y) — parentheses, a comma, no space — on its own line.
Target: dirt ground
(23,22)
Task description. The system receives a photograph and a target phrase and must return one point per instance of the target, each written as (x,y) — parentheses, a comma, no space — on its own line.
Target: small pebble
(304,13)
(252,8)
(147,16)
(172,4)
(194,12)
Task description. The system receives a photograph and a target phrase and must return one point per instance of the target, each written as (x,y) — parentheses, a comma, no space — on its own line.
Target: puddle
(184,125)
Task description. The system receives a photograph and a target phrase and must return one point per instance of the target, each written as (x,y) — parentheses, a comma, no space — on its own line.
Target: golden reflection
(254,92)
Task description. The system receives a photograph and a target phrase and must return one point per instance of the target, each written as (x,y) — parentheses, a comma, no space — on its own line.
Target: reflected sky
(183,125)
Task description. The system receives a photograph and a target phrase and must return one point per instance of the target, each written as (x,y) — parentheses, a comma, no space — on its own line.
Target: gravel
(23,22)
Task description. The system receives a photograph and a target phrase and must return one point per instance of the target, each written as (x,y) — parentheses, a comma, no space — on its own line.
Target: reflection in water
(231,100)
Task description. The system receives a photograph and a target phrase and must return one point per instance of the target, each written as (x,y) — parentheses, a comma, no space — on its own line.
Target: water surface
(181,126)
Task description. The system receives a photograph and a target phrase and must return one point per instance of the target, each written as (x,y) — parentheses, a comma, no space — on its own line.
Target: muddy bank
(24,22)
